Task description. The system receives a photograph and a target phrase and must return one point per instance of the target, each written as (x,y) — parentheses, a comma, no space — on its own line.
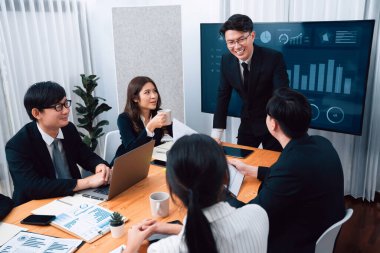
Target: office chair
(112,142)
(326,241)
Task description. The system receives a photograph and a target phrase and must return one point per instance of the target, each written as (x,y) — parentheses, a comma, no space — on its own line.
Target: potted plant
(116,225)
(90,110)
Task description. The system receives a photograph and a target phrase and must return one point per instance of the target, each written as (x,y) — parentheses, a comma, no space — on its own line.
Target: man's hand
(101,177)
(218,141)
(244,168)
(106,172)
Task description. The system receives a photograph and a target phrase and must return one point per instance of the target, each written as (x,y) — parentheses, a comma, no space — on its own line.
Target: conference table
(134,203)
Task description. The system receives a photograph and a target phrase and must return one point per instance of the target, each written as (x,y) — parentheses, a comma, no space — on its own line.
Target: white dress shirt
(235,230)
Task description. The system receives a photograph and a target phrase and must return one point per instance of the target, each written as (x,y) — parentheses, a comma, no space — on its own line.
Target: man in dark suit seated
(254,72)
(303,191)
(6,205)
(44,154)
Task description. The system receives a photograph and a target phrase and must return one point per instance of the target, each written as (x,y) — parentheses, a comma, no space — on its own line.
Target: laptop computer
(128,169)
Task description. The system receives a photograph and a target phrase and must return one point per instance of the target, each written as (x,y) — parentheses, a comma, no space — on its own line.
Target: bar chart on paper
(326,77)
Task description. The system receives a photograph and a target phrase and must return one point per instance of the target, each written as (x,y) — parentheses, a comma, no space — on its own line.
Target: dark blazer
(32,169)
(6,205)
(302,194)
(131,139)
(267,73)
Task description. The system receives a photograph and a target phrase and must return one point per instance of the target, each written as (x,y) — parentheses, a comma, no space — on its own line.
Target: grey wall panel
(148,42)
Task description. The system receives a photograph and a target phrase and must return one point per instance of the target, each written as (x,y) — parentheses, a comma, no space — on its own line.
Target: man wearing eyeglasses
(44,154)
(254,72)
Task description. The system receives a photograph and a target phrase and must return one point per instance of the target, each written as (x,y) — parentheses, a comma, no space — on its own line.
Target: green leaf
(101,123)
(101,108)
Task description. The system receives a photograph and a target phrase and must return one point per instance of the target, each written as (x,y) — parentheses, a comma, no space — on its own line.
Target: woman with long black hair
(196,174)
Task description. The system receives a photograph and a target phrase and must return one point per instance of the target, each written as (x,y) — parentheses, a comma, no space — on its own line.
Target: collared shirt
(148,133)
(235,230)
(49,143)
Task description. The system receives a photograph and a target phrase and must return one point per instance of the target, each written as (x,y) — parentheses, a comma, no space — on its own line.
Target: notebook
(128,170)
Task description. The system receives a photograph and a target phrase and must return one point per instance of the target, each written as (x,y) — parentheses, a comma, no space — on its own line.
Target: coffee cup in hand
(159,204)
(168,116)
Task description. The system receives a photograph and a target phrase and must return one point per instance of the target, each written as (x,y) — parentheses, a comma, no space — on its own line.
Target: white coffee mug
(159,204)
(168,114)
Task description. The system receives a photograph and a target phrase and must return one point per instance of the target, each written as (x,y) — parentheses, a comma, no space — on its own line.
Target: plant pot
(117,231)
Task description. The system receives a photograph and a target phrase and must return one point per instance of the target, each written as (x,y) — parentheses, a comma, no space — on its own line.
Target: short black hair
(42,95)
(292,111)
(237,22)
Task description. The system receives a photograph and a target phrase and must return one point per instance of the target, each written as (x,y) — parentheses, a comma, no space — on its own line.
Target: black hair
(42,95)
(237,22)
(196,173)
(292,111)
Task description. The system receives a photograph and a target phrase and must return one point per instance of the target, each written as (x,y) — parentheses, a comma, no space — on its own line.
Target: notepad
(236,179)
(86,221)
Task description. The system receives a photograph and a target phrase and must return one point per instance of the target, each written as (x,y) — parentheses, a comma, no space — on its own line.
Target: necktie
(245,75)
(60,165)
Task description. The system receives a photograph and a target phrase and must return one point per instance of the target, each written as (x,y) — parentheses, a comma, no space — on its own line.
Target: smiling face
(148,97)
(50,120)
(240,43)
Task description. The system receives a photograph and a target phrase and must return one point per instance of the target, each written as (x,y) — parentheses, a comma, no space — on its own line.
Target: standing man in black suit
(254,72)
(44,154)
(303,192)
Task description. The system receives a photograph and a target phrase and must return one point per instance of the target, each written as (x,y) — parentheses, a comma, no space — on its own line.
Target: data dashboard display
(326,61)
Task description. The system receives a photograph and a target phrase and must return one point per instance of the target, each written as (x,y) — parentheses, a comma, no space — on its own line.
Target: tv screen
(326,61)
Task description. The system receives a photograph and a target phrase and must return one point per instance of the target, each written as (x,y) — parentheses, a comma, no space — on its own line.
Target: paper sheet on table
(7,231)
(37,243)
(159,152)
(236,179)
(180,129)
(63,204)
(119,249)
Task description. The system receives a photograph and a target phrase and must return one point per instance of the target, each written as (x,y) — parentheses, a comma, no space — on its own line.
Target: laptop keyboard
(102,190)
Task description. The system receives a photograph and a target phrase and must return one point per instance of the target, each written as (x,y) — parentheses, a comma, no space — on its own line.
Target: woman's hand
(137,234)
(157,121)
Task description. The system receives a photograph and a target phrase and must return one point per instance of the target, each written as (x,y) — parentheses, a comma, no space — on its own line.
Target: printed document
(86,221)
(37,243)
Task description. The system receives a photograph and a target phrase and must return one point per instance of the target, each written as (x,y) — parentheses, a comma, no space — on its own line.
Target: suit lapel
(254,74)
(42,151)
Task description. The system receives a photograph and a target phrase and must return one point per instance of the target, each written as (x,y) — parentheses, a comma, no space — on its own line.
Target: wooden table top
(134,203)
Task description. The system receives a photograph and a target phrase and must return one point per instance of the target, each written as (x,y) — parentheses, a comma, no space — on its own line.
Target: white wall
(101,37)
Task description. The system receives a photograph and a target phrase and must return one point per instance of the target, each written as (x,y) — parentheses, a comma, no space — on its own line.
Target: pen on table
(122,248)
(161,152)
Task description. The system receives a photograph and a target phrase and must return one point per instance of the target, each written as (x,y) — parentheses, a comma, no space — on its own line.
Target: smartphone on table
(39,220)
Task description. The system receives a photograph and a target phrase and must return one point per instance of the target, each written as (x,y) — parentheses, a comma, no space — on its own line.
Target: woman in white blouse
(196,174)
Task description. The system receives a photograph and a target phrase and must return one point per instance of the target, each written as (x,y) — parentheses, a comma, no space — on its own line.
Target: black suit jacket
(6,205)
(32,169)
(302,194)
(267,73)
(132,139)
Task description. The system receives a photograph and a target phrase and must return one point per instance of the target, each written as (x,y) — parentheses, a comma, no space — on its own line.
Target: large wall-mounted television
(326,61)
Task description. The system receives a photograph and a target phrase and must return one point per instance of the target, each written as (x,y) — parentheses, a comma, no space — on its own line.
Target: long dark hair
(132,107)
(196,172)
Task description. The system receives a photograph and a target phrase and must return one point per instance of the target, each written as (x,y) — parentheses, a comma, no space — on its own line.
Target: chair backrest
(326,241)
(113,141)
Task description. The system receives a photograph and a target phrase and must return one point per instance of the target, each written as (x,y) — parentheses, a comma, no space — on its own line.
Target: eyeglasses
(241,41)
(59,106)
